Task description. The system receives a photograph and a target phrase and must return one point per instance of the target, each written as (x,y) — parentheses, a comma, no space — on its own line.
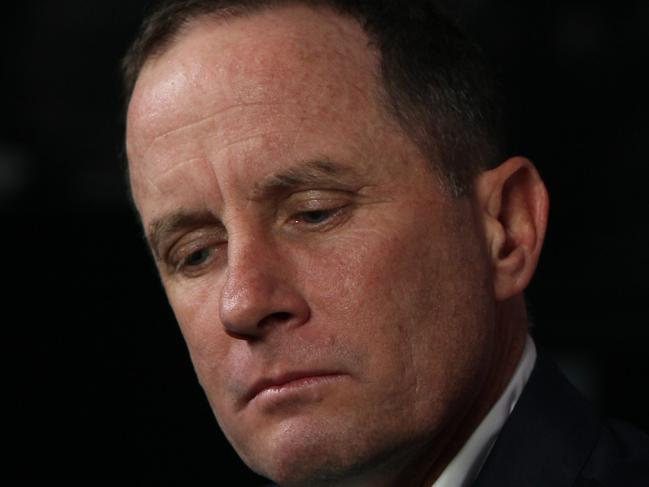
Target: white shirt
(466,465)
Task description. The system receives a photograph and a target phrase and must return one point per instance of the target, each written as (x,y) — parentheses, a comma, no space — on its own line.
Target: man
(345,248)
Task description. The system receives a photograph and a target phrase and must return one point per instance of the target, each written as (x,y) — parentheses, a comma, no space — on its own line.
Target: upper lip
(285,378)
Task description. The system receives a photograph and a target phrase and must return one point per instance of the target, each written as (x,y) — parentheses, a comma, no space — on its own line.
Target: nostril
(276,318)
(272,319)
(241,336)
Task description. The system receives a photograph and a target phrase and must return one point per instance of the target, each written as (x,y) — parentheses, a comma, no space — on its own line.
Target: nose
(258,295)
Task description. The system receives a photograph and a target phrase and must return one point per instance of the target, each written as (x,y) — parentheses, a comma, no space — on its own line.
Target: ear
(513,205)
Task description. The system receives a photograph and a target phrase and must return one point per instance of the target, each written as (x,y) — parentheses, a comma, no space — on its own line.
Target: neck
(507,348)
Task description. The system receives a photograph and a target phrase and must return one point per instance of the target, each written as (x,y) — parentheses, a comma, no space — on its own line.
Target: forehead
(315,60)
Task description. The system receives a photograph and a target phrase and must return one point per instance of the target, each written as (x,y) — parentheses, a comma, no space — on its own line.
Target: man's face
(335,301)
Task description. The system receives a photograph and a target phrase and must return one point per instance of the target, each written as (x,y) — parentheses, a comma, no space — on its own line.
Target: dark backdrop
(101,389)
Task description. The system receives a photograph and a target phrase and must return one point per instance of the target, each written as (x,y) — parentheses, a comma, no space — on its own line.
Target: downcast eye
(317,216)
(197,258)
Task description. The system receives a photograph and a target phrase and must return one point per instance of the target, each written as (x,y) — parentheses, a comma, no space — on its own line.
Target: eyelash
(180,262)
(185,261)
(329,214)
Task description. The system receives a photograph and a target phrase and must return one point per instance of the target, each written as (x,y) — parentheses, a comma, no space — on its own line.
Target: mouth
(289,381)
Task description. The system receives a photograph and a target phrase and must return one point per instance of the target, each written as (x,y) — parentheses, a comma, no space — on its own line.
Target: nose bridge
(257,291)
(249,275)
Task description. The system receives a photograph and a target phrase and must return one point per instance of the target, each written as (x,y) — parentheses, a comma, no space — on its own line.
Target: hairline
(385,100)
(454,122)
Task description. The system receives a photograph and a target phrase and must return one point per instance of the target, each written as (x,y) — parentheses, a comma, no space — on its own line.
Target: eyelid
(314,201)
(336,215)
(318,197)
(186,245)
(319,205)
(184,252)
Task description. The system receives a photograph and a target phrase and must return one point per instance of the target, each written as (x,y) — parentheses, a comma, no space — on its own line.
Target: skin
(298,230)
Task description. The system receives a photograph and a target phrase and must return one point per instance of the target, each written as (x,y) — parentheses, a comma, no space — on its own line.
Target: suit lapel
(548,437)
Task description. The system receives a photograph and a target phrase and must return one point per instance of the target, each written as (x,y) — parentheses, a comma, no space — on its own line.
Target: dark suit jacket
(553,438)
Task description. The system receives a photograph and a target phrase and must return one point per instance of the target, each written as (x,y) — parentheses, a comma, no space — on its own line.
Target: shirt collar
(466,465)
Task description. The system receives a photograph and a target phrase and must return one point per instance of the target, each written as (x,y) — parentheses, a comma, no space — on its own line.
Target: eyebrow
(314,172)
(161,228)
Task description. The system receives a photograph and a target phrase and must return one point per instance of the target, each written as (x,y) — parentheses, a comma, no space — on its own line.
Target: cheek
(376,279)
(402,302)
(196,307)
(361,291)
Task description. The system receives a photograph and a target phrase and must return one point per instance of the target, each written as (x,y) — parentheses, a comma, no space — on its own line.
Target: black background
(100,386)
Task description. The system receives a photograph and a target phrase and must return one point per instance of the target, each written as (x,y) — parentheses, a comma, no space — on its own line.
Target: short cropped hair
(436,81)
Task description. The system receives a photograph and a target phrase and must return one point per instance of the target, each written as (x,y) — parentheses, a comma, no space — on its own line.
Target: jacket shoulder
(555,438)
(620,458)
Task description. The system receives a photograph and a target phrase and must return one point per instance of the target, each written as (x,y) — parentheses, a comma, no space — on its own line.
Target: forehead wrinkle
(177,130)
(135,169)
(177,166)
(207,196)
(209,120)
(261,135)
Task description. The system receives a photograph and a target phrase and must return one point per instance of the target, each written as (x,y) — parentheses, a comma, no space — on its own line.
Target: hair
(436,81)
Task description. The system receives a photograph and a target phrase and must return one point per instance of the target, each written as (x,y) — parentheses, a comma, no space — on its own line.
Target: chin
(301,452)
(298,451)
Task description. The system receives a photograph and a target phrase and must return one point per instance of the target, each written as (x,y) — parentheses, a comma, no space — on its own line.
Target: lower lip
(295,386)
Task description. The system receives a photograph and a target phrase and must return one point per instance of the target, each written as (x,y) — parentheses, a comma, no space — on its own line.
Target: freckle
(331,341)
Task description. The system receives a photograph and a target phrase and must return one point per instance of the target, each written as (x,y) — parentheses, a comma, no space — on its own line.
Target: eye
(320,218)
(196,258)
(317,211)
(317,216)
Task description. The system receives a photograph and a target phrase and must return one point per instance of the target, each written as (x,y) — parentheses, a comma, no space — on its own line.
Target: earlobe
(513,204)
